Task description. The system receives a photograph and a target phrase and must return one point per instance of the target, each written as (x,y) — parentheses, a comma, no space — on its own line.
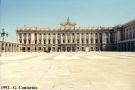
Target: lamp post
(3,34)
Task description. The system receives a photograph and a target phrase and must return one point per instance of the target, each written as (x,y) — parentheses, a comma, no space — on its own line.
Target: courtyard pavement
(68,71)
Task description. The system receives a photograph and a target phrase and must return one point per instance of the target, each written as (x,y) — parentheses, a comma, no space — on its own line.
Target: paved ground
(69,71)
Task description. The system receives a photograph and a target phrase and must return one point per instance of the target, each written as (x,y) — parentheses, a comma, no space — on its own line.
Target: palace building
(70,38)
(8,46)
(125,36)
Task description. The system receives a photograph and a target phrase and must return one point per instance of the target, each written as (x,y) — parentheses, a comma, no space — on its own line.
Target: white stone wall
(8,47)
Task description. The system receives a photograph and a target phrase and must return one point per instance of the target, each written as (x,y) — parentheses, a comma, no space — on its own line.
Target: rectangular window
(44,41)
(87,41)
(77,40)
(91,40)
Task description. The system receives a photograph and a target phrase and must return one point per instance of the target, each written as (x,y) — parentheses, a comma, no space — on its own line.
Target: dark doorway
(28,49)
(73,49)
(23,49)
(68,49)
(49,49)
(45,50)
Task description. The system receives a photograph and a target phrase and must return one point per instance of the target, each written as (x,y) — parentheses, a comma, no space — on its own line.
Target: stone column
(103,38)
(66,38)
(47,38)
(89,38)
(56,38)
(75,37)
(42,41)
(56,42)
(94,37)
(18,38)
(71,38)
(51,38)
(80,39)
(61,49)
(22,38)
(65,48)
(42,38)
(37,38)
(99,38)
(61,41)
(84,38)
(128,34)
(27,34)
(118,36)
(32,38)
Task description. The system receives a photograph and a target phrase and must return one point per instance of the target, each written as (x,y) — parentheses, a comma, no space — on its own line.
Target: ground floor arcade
(61,48)
(126,46)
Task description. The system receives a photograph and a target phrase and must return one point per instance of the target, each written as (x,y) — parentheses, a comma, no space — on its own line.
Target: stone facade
(8,46)
(69,38)
(66,38)
(125,36)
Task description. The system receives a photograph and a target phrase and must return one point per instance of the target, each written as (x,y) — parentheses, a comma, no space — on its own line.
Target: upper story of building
(68,32)
(125,32)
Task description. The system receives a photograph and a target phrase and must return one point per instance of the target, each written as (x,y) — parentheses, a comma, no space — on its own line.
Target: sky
(49,13)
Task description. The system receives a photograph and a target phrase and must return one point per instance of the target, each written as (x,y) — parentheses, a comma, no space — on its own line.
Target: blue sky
(49,13)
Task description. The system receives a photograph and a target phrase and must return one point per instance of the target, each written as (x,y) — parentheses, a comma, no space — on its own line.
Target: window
(53,41)
(96,40)
(82,41)
(73,40)
(91,40)
(44,41)
(91,34)
(29,35)
(107,40)
(68,41)
(29,41)
(83,49)
(73,34)
(91,48)
(87,41)
(20,35)
(58,41)
(35,41)
(20,40)
(24,41)
(77,40)
(49,41)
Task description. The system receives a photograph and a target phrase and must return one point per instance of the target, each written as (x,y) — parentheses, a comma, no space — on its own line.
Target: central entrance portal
(67,48)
